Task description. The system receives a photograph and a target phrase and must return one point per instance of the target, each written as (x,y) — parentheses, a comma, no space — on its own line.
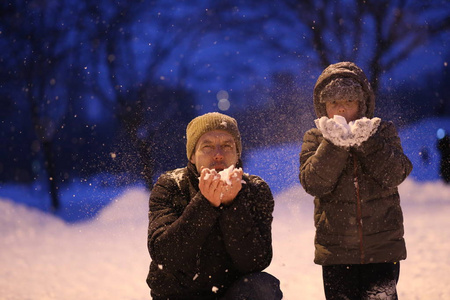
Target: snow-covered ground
(95,248)
(43,257)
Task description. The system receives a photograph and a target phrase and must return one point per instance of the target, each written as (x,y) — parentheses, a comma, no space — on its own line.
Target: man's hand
(216,190)
(230,191)
(210,186)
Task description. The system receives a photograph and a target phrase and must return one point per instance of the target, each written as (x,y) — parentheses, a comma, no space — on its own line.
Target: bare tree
(134,43)
(140,55)
(37,32)
(380,34)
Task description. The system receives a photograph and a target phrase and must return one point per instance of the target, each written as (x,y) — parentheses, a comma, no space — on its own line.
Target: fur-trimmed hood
(340,70)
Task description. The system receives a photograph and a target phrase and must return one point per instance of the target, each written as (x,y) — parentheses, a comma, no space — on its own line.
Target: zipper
(358,209)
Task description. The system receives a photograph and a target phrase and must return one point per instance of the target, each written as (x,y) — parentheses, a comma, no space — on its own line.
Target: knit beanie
(209,122)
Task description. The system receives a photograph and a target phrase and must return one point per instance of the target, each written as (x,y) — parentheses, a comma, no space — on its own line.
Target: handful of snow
(341,133)
(224,175)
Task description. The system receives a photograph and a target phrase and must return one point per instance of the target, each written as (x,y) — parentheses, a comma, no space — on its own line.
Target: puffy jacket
(198,250)
(357,211)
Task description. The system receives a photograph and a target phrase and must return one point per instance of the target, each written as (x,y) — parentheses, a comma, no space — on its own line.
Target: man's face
(345,108)
(215,150)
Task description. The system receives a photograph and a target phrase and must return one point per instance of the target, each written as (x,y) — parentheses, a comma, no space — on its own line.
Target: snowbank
(44,257)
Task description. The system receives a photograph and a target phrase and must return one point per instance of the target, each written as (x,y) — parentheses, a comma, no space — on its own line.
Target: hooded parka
(198,250)
(357,211)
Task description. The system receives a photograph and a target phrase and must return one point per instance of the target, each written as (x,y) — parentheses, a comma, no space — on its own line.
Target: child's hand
(362,129)
(338,128)
(338,132)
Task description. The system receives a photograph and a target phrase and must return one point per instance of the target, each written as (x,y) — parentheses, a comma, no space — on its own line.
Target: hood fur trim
(341,70)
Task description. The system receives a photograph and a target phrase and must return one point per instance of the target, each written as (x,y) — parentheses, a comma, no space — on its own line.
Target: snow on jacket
(198,250)
(357,211)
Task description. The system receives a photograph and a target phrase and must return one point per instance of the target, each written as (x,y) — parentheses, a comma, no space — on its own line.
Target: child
(352,164)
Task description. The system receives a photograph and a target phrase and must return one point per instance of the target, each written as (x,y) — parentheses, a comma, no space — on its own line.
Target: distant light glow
(440,133)
(222,95)
(224,103)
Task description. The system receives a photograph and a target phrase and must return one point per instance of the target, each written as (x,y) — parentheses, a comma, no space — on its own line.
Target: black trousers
(358,282)
(255,286)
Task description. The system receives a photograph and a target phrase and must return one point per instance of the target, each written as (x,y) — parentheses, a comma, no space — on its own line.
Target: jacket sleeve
(321,163)
(382,156)
(246,226)
(175,240)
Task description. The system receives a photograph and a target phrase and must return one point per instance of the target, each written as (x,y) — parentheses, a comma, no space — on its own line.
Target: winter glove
(373,144)
(362,129)
(335,130)
(338,132)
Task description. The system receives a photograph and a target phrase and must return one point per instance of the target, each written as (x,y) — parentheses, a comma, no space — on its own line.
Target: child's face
(345,108)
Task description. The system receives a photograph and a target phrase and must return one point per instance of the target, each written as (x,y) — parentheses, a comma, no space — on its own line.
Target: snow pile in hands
(224,175)
(341,133)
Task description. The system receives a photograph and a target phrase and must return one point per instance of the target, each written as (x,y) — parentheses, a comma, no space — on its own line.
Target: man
(210,237)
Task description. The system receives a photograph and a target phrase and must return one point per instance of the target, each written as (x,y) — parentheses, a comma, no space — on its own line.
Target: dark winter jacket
(198,250)
(357,211)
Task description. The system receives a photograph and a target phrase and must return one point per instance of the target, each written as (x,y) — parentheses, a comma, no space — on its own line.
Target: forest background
(108,86)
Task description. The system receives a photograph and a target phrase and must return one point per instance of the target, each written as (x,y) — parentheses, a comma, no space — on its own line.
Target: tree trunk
(51,172)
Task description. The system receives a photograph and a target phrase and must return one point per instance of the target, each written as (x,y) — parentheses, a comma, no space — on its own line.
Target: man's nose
(218,153)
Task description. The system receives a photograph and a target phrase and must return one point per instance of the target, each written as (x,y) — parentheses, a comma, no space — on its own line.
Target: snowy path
(42,257)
